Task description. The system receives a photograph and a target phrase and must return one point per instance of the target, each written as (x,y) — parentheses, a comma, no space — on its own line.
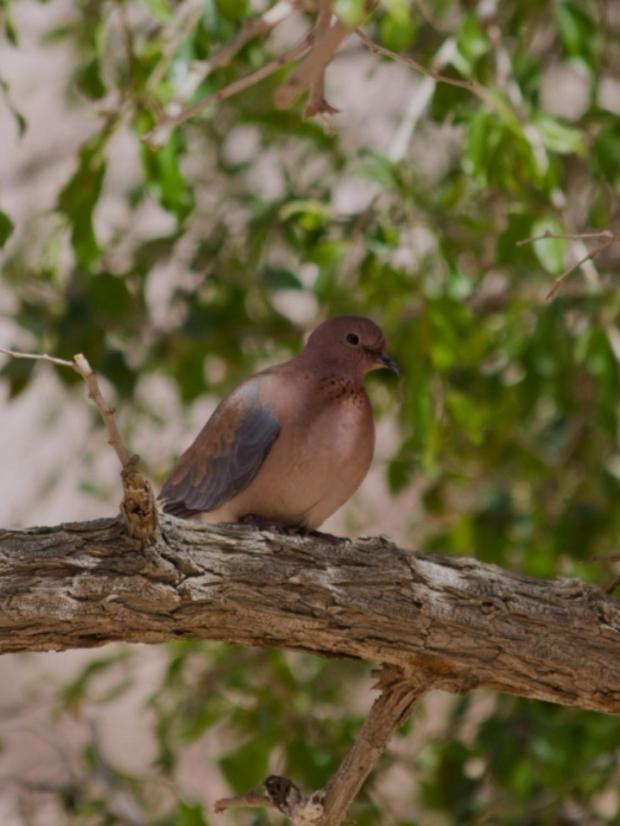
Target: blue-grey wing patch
(224,458)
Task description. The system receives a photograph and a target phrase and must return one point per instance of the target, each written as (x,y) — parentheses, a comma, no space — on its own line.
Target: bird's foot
(262,524)
(330,538)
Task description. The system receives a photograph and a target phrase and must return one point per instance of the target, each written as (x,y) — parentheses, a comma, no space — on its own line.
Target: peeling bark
(460,621)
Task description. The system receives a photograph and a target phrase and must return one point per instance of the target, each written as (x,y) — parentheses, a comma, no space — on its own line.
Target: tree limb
(459,620)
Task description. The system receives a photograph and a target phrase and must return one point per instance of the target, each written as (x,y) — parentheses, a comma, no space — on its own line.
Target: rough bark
(462,622)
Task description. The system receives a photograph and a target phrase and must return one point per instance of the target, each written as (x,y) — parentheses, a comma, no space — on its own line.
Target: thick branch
(465,622)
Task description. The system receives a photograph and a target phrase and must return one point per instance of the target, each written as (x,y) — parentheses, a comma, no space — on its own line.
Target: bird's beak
(388,362)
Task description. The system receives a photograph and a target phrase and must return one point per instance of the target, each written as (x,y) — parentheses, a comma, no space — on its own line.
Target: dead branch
(138,507)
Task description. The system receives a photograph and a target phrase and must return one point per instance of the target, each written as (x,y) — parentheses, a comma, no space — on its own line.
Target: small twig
(81,366)
(251,28)
(602,235)
(606,237)
(138,506)
(470,85)
(159,134)
(255,27)
(243,801)
(282,795)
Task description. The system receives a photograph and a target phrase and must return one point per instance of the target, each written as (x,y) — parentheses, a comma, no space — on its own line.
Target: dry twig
(138,506)
(606,237)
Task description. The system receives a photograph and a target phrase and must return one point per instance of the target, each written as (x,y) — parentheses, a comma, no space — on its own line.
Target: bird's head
(353,341)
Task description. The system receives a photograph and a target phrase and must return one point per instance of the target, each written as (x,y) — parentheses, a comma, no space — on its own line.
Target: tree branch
(326,39)
(316,104)
(329,806)
(459,620)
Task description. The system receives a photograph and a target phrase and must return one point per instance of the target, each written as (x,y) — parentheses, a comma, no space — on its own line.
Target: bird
(291,444)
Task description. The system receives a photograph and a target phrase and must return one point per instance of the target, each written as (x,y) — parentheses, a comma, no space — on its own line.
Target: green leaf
(483,137)
(233,9)
(551,252)
(163,169)
(246,766)
(606,151)
(160,9)
(278,278)
(352,12)
(471,44)
(580,36)
(559,136)
(189,814)
(397,32)
(9,27)
(379,168)
(310,214)
(78,199)
(20,120)
(6,228)
(88,80)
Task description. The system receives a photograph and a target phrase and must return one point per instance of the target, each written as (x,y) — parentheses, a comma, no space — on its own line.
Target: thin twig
(81,366)
(255,27)
(251,28)
(38,357)
(243,801)
(138,506)
(606,237)
(602,235)
(159,134)
(470,85)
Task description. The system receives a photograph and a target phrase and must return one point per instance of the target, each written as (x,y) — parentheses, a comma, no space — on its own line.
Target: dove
(291,444)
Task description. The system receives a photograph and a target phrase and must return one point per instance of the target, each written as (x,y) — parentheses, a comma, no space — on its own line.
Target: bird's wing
(225,456)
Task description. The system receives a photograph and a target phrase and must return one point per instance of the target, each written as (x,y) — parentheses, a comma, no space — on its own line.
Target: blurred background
(181,270)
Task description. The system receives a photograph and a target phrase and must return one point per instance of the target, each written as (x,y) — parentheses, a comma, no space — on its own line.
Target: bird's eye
(353,339)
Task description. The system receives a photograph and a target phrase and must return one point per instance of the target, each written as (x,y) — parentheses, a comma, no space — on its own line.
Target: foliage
(508,413)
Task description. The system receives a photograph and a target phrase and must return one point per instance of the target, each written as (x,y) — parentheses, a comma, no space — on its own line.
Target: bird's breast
(323,452)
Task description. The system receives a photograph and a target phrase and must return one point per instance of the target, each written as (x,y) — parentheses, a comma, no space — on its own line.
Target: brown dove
(291,444)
